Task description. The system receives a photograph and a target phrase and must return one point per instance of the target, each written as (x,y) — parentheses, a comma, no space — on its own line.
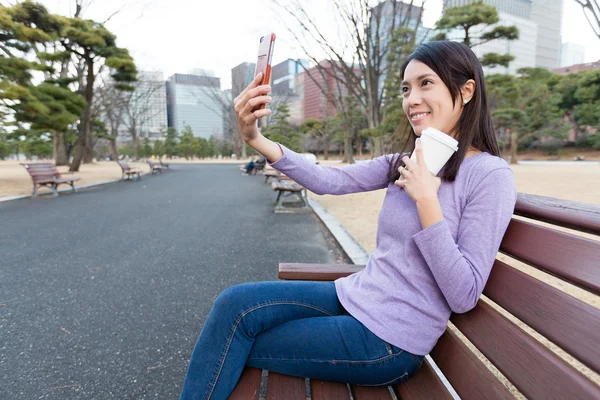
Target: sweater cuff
(284,160)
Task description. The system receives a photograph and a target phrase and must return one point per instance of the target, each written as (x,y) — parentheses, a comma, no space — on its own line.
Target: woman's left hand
(415,178)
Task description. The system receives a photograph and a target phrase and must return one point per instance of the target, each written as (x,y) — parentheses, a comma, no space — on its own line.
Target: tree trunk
(514,135)
(85,127)
(348,151)
(377,150)
(326,149)
(113,150)
(359,146)
(506,140)
(60,151)
(88,158)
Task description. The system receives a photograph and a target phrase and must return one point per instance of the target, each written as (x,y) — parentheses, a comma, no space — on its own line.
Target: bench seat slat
(535,370)
(317,272)
(285,387)
(248,386)
(466,373)
(370,392)
(570,214)
(326,390)
(566,321)
(573,258)
(424,385)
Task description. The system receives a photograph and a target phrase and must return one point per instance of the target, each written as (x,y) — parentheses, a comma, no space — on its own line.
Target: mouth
(418,116)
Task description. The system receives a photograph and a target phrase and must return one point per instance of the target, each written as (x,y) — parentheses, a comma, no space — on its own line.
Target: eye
(425,82)
(404,89)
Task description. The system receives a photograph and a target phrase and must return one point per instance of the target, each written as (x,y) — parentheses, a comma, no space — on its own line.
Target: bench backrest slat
(370,392)
(326,390)
(424,385)
(41,172)
(248,387)
(566,321)
(569,214)
(469,376)
(573,258)
(536,371)
(285,387)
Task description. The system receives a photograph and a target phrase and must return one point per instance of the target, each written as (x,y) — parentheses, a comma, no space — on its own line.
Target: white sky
(178,35)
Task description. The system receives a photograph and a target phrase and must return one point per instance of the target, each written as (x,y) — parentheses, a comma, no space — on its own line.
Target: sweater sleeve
(461,268)
(361,177)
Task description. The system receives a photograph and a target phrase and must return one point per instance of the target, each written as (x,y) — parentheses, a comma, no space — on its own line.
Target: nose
(414,98)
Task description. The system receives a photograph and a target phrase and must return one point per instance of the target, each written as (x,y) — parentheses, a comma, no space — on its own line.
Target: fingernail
(269,98)
(268,111)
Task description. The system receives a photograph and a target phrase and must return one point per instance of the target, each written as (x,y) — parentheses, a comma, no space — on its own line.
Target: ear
(467,91)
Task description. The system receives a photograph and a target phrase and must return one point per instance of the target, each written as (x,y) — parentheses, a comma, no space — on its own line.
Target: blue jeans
(295,328)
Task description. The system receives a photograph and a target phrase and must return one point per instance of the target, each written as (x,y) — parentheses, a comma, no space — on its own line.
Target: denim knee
(232,297)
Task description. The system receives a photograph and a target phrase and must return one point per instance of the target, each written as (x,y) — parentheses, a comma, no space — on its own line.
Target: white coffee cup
(437,149)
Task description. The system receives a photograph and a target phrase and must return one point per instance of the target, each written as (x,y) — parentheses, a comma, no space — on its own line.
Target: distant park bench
(155,166)
(129,172)
(165,165)
(286,188)
(530,366)
(46,175)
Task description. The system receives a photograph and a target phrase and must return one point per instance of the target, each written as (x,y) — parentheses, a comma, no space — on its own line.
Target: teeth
(417,116)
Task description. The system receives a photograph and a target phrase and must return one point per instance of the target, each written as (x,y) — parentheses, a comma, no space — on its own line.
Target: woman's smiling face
(427,101)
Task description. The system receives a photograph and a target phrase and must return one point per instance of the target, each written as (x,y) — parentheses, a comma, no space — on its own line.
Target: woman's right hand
(247,108)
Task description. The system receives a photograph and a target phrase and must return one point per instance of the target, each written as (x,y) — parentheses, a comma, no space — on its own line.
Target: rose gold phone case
(265,56)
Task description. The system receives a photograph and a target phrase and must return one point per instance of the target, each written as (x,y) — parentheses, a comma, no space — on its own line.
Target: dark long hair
(455,64)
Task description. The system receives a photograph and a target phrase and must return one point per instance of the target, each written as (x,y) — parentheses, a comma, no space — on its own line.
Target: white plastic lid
(442,137)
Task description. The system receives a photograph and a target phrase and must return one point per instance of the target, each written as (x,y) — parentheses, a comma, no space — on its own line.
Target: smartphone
(265,56)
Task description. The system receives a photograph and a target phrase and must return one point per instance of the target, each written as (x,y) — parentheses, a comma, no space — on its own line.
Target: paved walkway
(103,292)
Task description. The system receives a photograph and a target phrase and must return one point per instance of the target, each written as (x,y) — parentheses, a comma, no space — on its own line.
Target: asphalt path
(103,292)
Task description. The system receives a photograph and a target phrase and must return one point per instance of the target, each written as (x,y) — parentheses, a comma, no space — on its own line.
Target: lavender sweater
(417,277)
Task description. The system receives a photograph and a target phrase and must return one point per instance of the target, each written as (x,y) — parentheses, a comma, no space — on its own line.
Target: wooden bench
(533,369)
(129,172)
(155,166)
(46,175)
(285,189)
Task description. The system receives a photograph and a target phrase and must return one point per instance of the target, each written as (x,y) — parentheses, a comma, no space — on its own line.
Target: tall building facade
(547,14)
(194,100)
(283,75)
(394,14)
(147,108)
(322,90)
(241,76)
(571,54)
(539,23)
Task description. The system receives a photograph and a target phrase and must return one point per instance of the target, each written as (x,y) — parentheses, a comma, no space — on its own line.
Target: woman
(436,243)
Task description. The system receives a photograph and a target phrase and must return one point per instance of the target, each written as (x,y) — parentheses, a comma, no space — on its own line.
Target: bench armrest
(317,272)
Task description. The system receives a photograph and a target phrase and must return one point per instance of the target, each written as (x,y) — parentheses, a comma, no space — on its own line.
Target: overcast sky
(178,35)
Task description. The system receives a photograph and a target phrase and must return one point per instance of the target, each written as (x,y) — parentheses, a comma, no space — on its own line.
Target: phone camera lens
(261,39)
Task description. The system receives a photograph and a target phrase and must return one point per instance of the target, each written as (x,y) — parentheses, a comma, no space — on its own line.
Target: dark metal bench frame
(535,371)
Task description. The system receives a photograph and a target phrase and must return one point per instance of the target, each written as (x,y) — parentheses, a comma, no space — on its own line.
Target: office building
(147,109)
(571,54)
(395,14)
(283,75)
(547,14)
(195,100)
(539,24)
(241,76)
(322,91)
